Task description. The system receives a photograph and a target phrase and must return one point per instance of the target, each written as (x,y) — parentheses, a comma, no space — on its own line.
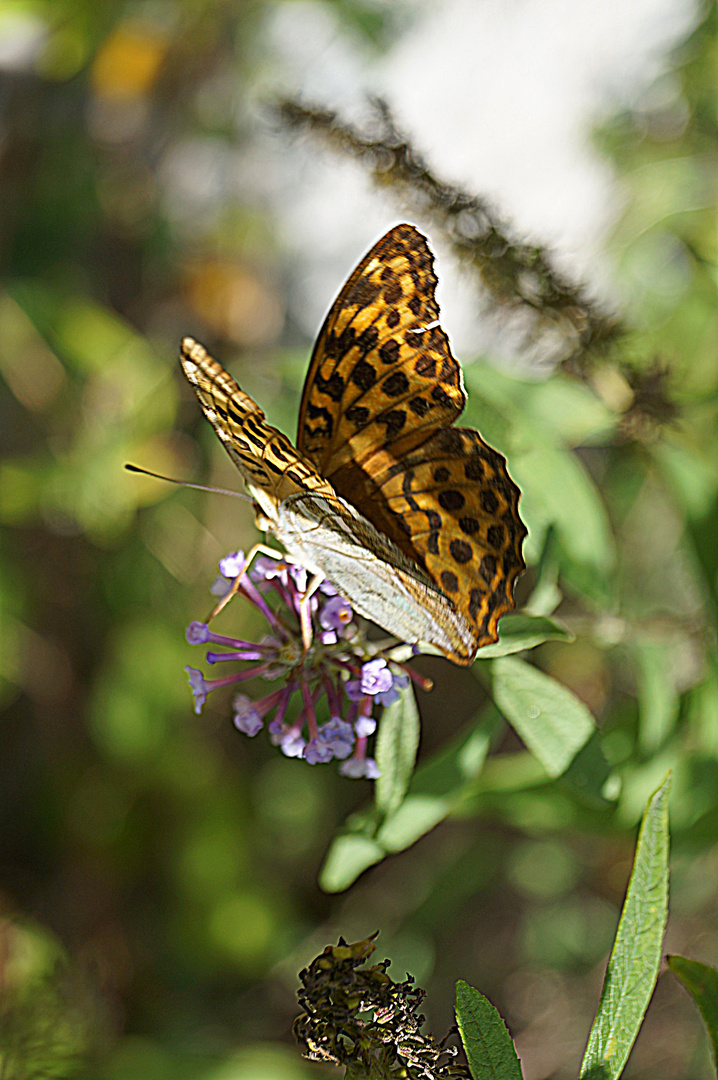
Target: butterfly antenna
(186,483)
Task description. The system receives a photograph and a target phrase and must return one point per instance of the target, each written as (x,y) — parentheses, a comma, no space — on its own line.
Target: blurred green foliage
(176,861)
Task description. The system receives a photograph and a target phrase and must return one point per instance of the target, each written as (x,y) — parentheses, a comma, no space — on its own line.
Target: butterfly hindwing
(265,457)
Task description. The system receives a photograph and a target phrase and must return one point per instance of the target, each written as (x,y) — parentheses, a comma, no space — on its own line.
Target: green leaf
(396,745)
(589,773)
(559,409)
(519,632)
(701,982)
(416,816)
(636,955)
(558,491)
(658,702)
(489,1047)
(438,784)
(436,787)
(570,411)
(693,480)
(349,856)
(551,720)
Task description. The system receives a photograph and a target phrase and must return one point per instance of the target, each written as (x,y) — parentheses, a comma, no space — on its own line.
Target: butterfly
(413,520)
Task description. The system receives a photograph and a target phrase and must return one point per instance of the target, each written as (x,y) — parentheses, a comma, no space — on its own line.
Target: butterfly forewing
(381,396)
(382,373)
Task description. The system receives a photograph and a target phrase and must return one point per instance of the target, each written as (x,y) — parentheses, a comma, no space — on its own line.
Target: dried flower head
(358,1017)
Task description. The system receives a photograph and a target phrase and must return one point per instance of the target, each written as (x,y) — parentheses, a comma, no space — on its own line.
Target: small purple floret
(198,633)
(388,697)
(376,677)
(292,744)
(266,570)
(198,687)
(336,614)
(360,768)
(231,566)
(364,726)
(221,587)
(316,753)
(246,717)
(338,736)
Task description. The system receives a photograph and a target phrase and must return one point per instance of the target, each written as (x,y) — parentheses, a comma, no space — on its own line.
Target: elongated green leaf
(570,411)
(439,783)
(558,409)
(435,789)
(701,982)
(519,632)
(636,955)
(396,745)
(658,701)
(692,477)
(489,1047)
(550,719)
(416,816)
(349,856)
(563,493)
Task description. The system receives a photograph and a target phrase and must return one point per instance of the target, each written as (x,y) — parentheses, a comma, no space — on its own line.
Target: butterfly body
(414,520)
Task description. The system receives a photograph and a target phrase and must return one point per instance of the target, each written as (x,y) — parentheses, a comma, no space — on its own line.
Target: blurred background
(158,871)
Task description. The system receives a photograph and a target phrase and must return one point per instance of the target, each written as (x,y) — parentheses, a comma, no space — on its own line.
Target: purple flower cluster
(338,665)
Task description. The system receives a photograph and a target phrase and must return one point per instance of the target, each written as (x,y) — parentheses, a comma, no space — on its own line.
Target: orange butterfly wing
(381,395)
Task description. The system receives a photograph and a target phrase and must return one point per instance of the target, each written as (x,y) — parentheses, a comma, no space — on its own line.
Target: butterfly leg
(305,611)
(237,583)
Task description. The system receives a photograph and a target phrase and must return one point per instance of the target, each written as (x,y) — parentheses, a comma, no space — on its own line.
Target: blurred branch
(518,276)
(514,273)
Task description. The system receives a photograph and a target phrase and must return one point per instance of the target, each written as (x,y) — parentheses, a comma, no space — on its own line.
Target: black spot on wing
(474,469)
(450,441)
(461,552)
(363,293)
(394,421)
(495,536)
(363,375)
(426,366)
(396,385)
(451,499)
(420,406)
(441,397)
(368,339)
(333,387)
(325,421)
(489,501)
(449,581)
(468,525)
(393,292)
(357,415)
(389,352)
(487,570)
